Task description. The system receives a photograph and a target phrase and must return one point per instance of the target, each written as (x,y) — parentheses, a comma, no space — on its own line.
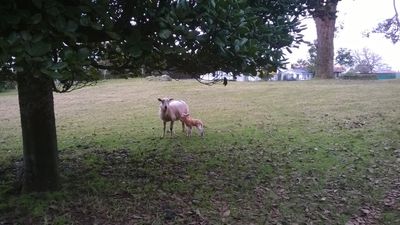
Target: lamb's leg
(183,126)
(189,131)
(171,127)
(201,130)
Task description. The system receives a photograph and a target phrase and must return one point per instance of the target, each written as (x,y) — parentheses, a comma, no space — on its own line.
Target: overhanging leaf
(113,35)
(59,66)
(35,19)
(135,51)
(165,33)
(26,35)
(37,3)
(219,42)
(84,21)
(39,49)
(71,26)
(83,53)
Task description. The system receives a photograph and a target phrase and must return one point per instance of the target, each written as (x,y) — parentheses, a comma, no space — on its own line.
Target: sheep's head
(164,103)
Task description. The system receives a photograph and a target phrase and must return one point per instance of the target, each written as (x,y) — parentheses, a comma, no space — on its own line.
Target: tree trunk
(38,133)
(325,49)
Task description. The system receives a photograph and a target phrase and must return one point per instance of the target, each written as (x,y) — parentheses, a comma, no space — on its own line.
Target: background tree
(324,14)
(312,53)
(54,45)
(367,61)
(344,57)
(309,63)
(42,42)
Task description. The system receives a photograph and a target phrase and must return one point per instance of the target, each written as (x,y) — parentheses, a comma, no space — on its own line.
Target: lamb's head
(164,103)
(185,115)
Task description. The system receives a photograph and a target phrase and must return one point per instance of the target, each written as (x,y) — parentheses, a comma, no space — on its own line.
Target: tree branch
(111,67)
(396,13)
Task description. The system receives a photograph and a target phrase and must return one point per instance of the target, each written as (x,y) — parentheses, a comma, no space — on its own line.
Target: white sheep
(171,110)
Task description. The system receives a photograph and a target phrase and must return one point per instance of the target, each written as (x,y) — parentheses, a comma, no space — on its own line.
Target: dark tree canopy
(66,40)
(50,38)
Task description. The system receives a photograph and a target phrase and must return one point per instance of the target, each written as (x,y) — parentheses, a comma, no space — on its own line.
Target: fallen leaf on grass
(226,213)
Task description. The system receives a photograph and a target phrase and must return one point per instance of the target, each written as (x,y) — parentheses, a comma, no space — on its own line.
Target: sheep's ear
(171,99)
(159,99)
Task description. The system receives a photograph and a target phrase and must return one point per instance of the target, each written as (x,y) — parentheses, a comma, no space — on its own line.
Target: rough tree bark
(38,133)
(325,19)
(325,48)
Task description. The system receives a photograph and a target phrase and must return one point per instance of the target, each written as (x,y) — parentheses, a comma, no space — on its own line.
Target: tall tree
(324,14)
(44,47)
(55,45)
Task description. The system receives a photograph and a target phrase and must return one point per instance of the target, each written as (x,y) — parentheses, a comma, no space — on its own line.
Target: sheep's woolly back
(173,110)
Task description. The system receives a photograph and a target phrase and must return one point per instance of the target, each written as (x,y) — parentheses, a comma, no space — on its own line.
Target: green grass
(311,152)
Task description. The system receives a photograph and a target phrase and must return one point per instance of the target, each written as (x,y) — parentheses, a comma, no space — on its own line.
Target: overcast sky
(357,17)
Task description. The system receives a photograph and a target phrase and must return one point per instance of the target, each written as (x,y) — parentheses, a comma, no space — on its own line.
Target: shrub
(359,76)
(6,85)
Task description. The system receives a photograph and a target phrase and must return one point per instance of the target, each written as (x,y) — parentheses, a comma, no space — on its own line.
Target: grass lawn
(315,152)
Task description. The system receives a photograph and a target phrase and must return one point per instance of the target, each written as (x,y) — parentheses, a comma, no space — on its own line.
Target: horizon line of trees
(363,61)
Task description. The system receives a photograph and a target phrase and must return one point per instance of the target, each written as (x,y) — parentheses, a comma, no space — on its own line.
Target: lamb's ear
(159,99)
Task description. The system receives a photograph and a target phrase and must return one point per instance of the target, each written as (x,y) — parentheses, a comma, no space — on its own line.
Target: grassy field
(315,152)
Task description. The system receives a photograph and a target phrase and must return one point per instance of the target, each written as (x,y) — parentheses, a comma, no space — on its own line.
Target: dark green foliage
(49,38)
(66,39)
(236,36)
(312,51)
(344,57)
(198,37)
(322,8)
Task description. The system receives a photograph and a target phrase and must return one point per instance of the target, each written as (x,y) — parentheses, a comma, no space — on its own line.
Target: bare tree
(367,61)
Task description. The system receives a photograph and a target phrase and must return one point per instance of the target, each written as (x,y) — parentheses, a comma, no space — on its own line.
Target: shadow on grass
(171,182)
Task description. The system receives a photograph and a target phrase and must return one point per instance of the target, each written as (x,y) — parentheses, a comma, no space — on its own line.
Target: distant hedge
(6,85)
(359,76)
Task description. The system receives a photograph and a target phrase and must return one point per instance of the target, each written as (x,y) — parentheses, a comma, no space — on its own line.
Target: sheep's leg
(171,127)
(165,124)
